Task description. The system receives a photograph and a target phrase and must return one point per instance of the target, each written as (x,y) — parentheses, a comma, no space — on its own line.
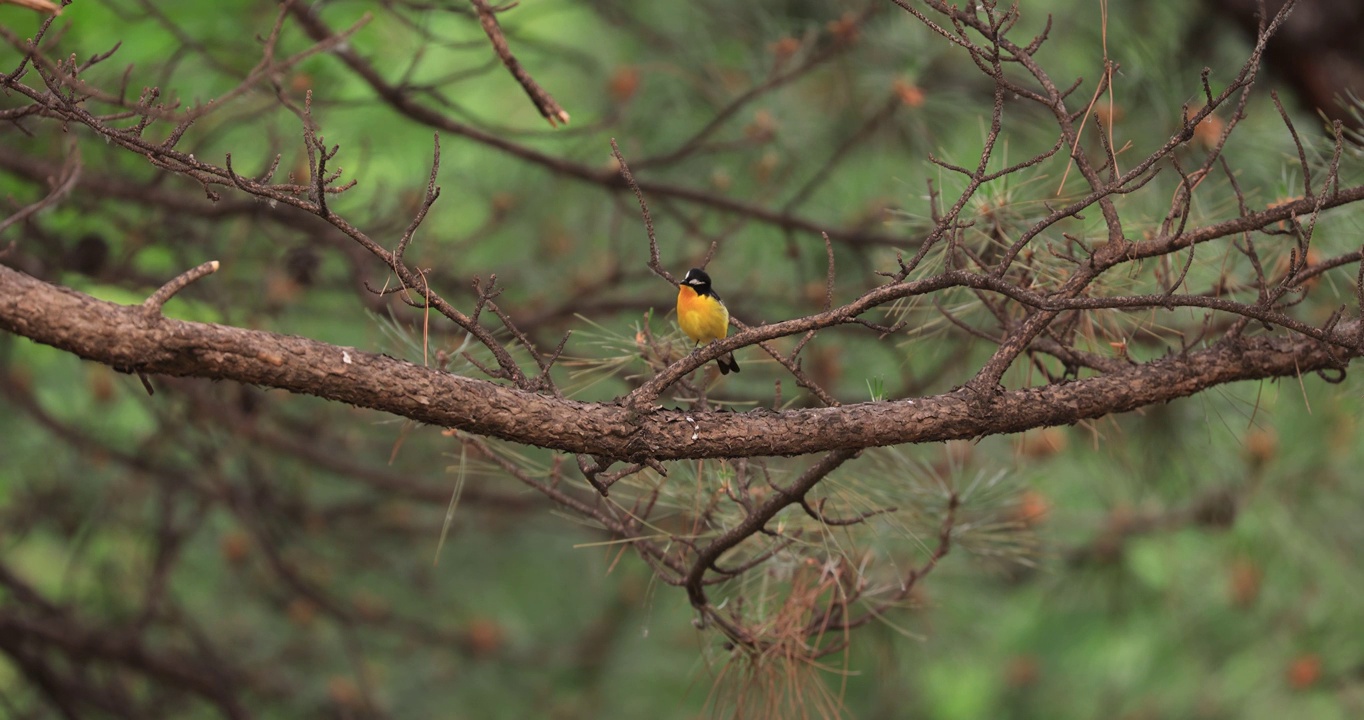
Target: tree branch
(126,337)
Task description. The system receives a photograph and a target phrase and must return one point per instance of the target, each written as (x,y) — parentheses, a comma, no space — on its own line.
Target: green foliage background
(1186,617)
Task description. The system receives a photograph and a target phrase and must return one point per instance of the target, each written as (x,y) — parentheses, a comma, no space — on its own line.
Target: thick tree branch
(126,337)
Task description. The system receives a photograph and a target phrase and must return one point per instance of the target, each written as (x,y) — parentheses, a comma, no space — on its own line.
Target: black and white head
(698,280)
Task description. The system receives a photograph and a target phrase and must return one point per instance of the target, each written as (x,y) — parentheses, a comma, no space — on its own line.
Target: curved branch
(126,337)
(401,101)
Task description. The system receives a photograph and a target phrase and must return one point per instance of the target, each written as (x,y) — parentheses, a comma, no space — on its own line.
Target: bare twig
(153,304)
(546,104)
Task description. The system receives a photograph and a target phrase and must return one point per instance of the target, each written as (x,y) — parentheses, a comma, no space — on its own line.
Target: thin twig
(546,104)
(159,298)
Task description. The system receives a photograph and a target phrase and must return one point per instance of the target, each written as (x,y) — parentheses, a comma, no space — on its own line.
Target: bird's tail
(727,364)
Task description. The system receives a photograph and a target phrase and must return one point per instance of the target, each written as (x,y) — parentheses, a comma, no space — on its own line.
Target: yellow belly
(703,319)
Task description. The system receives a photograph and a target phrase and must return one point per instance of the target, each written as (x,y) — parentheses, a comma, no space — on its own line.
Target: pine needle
(450,511)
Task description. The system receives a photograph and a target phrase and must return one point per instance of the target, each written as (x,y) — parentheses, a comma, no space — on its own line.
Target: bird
(702,315)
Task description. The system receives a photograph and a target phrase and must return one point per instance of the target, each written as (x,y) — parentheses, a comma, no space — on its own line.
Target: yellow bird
(702,316)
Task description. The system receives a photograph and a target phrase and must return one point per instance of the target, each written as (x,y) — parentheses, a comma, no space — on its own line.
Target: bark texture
(133,338)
